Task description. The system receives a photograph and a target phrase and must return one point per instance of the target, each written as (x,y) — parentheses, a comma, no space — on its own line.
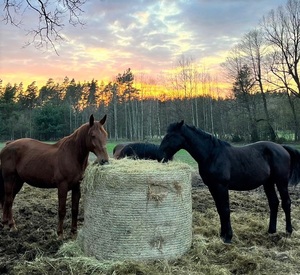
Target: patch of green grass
(110,146)
(185,157)
(2,144)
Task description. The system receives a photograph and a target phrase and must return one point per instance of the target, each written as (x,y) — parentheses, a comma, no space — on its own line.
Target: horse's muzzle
(103,161)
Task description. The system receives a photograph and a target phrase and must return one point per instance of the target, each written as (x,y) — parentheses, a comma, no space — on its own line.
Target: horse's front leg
(76,194)
(220,195)
(62,198)
(273,205)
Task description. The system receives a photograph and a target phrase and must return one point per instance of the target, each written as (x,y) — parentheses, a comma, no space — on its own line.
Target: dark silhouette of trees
(56,109)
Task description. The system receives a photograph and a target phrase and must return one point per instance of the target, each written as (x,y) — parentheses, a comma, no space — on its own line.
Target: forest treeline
(263,103)
(56,109)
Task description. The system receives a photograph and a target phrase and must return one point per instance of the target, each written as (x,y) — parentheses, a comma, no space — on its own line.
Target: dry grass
(253,250)
(126,170)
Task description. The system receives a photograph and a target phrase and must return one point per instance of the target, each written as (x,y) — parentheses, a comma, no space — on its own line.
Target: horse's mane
(73,137)
(214,140)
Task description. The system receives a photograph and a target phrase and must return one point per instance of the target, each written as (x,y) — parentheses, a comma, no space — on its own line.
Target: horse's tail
(295,164)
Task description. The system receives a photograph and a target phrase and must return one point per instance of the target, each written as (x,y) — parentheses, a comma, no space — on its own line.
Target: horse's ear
(92,120)
(102,121)
(180,123)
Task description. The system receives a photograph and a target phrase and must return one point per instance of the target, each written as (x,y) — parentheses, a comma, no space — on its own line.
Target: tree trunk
(296,122)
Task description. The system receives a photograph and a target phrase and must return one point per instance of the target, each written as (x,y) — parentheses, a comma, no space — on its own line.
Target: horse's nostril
(103,161)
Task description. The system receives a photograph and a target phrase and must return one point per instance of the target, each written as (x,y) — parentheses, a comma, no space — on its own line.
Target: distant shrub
(281,140)
(237,138)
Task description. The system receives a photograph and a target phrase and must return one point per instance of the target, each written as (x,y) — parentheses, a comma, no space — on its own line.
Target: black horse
(224,167)
(138,150)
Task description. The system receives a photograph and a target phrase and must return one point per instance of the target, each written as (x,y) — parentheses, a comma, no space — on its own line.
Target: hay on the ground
(137,210)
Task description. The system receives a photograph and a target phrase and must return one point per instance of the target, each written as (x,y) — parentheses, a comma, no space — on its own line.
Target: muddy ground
(35,212)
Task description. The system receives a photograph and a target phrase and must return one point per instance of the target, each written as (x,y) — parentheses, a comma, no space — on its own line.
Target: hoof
(5,226)
(289,230)
(60,237)
(73,235)
(272,231)
(226,241)
(288,234)
(13,228)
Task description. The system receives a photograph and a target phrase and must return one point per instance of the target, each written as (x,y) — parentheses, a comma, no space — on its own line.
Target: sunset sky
(147,36)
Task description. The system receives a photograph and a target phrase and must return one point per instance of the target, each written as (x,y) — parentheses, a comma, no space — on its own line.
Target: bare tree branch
(48,18)
(282,31)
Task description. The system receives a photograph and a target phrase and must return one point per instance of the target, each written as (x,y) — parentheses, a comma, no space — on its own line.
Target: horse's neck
(198,144)
(75,145)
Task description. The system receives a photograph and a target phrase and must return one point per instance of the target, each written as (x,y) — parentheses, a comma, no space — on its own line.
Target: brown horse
(60,165)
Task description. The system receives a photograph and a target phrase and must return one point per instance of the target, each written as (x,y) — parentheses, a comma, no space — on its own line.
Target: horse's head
(97,137)
(173,141)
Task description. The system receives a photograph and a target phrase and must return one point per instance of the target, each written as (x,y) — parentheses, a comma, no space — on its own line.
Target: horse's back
(134,150)
(265,159)
(274,153)
(117,150)
(141,150)
(25,148)
(30,160)
(26,143)
(267,150)
(248,167)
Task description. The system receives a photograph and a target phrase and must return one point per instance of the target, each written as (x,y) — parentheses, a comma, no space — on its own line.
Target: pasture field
(35,249)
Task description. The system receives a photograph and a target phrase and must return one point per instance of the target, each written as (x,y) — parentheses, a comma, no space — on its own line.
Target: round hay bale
(137,209)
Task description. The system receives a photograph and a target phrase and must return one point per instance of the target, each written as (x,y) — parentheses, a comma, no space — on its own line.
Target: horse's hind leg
(75,206)
(11,188)
(2,193)
(273,204)
(286,205)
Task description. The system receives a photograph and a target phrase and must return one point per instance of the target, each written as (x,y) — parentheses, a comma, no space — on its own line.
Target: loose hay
(138,210)
(252,252)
